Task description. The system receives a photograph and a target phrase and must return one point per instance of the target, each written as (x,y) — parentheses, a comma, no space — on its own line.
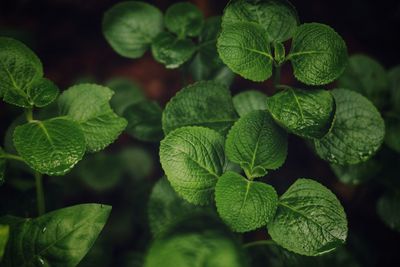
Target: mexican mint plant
(217,147)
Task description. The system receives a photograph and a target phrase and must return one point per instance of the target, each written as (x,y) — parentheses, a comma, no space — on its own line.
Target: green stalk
(29,114)
(11,156)
(277,76)
(259,243)
(40,193)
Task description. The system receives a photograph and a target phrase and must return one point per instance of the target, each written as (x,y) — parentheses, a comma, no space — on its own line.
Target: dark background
(66,35)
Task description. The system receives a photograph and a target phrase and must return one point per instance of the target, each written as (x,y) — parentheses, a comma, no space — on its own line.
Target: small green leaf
(130,27)
(357,132)
(394,81)
(367,77)
(59,238)
(144,121)
(4,234)
(318,54)
(257,144)
(244,47)
(307,113)
(248,101)
(279,53)
(126,94)
(43,92)
(358,173)
(388,209)
(184,19)
(310,219)
(2,167)
(392,133)
(88,104)
(244,205)
(278,17)
(52,147)
(166,208)
(193,158)
(205,103)
(172,51)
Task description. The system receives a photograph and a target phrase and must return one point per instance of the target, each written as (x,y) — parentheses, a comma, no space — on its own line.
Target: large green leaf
(244,47)
(357,132)
(144,121)
(367,77)
(203,103)
(131,26)
(165,208)
(388,209)
(307,113)
(248,101)
(193,159)
(277,17)
(257,143)
(52,146)
(88,104)
(318,54)
(394,80)
(310,219)
(172,51)
(392,135)
(4,234)
(184,19)
(244,205)
(59,238)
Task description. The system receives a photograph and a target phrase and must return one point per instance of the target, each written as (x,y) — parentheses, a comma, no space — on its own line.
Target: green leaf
(307,113)
(278,17)
(357,132)
(144,121)
(52,146)
(205,103)
(165,208)
(193,159)
(43,92)
(309,220)
(244,205)
(367,77)
(358,173)
(244,47)
(137,162)
(172,51)
(248,101)
(126,93)
(59,238)
(130,27)
(4,234)
(318,54)
(2,167)
(257,144)
(184,19)
(394,80)
(388,209)
(88,104)
(392,140)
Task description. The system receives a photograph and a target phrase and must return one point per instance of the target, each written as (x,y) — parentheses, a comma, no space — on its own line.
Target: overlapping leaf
(184,19)
(248,101)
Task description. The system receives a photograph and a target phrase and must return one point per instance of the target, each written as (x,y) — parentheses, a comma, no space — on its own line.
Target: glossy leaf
(394,83)
(357,132)
(206,103)
(43,92)
(244,205)
(193,159)
(388,209)
(309,220)
(126,93)
(144,121)
(278,17)
(244,47)
(59,238)
(257,144)
(392,132)
(248,101)
(88,104)
(172,51)
(52,146)
(318,54)
(4,234)
(184,19)
(358,173)
(367,77)
(130,27)
(307,113)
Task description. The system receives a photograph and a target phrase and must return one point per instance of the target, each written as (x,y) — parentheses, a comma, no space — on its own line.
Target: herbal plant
(212,139)
(86,124)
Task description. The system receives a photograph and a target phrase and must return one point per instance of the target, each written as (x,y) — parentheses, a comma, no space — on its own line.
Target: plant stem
(40,193)
(11,156)
(259,243)
(29,114)
(277,75)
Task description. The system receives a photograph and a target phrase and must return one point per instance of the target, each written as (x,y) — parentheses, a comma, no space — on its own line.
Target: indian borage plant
(207,131)
(86,124)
